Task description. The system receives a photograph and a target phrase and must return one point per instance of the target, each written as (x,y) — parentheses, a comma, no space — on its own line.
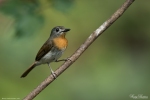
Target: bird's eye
(57,29)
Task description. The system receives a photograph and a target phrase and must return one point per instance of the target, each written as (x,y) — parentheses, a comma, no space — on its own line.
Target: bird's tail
(28,70)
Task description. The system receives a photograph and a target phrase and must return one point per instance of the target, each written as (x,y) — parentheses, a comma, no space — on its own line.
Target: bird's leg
(53,73)
(62,60)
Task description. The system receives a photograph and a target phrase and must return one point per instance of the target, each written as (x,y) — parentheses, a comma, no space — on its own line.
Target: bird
(51,50)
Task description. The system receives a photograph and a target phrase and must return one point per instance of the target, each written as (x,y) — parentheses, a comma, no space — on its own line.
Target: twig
(81,49)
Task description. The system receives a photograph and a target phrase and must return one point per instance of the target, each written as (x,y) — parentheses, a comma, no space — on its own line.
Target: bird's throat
(60,42)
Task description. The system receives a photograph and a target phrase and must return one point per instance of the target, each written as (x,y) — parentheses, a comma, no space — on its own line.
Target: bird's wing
(47,46)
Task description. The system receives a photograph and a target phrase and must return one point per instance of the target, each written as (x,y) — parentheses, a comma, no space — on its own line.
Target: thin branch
(81,49)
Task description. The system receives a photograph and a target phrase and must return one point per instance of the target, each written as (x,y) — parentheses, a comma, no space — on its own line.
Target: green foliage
(27,16)
(24,13)
(18,8)
(62,5)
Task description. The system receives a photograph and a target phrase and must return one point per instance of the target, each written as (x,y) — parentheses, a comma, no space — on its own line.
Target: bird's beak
(66,30)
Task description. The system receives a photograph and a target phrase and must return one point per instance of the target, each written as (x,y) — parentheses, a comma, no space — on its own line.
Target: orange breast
(60,42)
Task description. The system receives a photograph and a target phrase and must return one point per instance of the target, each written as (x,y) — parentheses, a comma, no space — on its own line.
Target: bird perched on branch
(51,50)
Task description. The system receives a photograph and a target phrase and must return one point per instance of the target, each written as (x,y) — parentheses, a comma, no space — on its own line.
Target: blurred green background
(114,67)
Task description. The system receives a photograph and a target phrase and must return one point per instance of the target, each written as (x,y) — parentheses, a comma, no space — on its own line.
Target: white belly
(51,56)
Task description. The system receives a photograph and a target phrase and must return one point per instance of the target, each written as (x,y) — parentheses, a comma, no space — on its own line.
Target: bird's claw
(54,74)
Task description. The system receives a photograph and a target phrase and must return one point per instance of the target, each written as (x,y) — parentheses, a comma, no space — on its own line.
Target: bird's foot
(54,74)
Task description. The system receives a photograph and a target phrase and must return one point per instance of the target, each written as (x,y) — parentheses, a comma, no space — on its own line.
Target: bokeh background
(114,67)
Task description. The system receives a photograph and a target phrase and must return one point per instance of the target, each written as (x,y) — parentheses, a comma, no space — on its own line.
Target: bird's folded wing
(47,46)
